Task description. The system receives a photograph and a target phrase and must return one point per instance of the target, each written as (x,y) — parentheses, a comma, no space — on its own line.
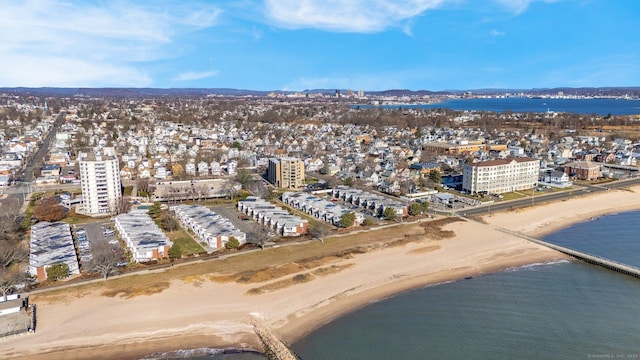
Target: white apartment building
(100,182)
(501,176)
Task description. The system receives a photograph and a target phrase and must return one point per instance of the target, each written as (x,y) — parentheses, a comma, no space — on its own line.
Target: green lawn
(186,242)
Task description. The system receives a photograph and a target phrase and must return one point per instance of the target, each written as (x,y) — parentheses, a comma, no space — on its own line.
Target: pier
(591,259)
(274,349)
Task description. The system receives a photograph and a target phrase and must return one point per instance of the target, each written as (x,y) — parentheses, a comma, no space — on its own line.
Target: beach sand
(197,313)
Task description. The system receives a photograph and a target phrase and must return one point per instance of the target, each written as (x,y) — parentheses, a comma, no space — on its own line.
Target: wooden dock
(274,349)
(591,259)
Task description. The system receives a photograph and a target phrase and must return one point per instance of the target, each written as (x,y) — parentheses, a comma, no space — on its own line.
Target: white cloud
(190,75)
(495,32)
(519,6)
(64,43)
(362,16)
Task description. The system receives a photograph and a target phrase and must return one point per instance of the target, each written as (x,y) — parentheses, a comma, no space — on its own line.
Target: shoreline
(65,330)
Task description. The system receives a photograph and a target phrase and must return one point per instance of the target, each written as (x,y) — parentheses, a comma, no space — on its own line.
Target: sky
(297,45)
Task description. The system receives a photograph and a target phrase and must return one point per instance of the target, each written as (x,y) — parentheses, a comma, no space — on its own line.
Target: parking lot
(230,212)
(95,236)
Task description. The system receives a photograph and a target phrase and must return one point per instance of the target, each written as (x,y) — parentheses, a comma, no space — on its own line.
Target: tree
(319,231)
(415,209)
(105,260)
(57,271)
(123,205)
(389,213)
(244,178)
(259,237)
(10,278)
(348,182)
(170,223)
(233,243)
(259,189)
(11,253)
(347,219)
(155,210)
(142,185)
(435,177)
(10,230)
(425,207)
(48,210)
(175,251)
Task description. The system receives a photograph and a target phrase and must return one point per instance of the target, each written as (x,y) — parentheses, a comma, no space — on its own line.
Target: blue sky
(309,44)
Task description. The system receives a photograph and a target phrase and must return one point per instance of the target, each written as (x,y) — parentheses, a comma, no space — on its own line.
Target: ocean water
(565,310)
(516,104)
(562,310)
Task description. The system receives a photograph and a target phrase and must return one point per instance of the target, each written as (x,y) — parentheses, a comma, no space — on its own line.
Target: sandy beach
(199,312)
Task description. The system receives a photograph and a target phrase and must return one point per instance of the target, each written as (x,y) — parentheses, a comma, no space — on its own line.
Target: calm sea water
(577,106)
(565,310)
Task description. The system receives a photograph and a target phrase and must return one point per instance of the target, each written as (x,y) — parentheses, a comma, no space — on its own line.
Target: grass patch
(188,246)
(297,279)
(433,230)
(328,270)
(74,218)
(129,293)
(268,274)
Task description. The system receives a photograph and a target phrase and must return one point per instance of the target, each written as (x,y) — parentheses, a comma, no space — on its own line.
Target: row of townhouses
(209,227)
(320,208)
(272,216)
(144,239)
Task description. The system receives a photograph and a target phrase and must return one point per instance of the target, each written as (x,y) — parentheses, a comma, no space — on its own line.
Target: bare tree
(11,253)
(259,237)
(9,229)
(259,189)
(123,205)
(318,231)
(105,260)
(10,278)
(170,222)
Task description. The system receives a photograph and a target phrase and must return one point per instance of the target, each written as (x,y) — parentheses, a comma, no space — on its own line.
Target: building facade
(500,176)
(100,182)
(286,173)
(583,170)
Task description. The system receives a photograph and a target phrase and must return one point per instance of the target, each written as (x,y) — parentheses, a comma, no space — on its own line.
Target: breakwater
(274,349)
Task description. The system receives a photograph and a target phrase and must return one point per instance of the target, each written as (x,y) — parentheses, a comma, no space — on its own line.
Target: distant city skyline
(309,44)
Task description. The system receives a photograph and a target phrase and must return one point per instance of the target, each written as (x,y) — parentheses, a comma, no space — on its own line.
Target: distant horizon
(327,90)
(292,45)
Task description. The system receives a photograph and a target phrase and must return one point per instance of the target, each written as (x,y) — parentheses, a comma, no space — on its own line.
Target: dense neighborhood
(289,164)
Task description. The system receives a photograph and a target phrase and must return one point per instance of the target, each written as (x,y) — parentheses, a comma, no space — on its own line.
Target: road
(18,193)
(539,199)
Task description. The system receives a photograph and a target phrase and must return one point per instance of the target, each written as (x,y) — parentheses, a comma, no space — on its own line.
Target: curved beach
(192,312)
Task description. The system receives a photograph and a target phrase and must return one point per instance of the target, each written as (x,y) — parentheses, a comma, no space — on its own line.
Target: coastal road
(557,196)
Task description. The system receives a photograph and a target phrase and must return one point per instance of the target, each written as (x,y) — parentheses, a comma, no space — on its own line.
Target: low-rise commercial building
(51,243)
(143,237)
